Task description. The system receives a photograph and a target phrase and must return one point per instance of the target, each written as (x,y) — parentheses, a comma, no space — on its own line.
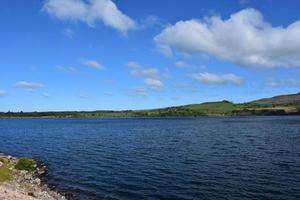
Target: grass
(25,164)
(5,172)
(221,107)
(22,164)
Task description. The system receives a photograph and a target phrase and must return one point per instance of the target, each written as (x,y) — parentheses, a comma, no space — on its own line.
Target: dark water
(178,158)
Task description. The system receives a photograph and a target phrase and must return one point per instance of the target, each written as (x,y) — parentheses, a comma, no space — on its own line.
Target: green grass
(5,172)
(220,107)
(25,164)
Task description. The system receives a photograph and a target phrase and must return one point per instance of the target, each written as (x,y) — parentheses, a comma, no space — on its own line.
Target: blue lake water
(170,158)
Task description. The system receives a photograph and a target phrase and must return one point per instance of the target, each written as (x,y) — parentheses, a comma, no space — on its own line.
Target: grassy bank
(5,170)
(7,166)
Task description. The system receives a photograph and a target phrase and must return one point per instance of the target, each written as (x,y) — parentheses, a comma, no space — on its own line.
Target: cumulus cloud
(28,85)
(216,79)
(2,93)
(245,39)
(151,75)
(154,83)
(93,64)
(90,12)
(138,70)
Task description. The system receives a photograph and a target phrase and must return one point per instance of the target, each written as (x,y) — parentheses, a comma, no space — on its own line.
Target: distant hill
(278,105)
(282,99)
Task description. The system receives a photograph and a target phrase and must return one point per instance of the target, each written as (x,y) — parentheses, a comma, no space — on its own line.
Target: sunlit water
(174,158)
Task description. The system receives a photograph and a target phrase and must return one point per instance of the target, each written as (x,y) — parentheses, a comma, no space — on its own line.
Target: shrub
(25,164)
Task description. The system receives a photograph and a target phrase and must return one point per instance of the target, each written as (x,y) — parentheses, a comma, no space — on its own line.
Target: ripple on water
(175,158)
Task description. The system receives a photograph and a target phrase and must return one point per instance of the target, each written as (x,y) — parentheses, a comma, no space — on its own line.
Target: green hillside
(279,105)
(214,108)
(292,99)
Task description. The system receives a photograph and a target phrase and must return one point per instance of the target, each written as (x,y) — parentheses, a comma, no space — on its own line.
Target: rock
(31,194)
(37,181)
(26,185)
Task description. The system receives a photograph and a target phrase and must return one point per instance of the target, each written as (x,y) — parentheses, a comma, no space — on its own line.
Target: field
(278,105)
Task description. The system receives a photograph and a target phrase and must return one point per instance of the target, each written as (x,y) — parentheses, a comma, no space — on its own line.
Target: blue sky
(117,54)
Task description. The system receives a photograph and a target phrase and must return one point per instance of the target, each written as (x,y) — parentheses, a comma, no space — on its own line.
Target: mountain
(282,99)
(278,105)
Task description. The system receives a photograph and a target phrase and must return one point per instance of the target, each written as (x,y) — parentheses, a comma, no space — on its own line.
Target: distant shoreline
(151,117)
(278,105)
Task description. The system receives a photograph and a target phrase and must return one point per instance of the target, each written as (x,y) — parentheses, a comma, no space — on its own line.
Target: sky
(58,55)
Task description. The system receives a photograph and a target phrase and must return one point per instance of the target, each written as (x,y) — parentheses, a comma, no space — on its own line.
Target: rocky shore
(19,184)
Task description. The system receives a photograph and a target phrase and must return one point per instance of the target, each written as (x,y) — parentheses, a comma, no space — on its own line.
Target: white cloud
(2,93)
(46,95)
(215,79)
(245,39)
(132,64)
(28,85)
(164,48)
(90,12)
(182,64)
(66,69)
(151,75)
(93,64)
(154,83)
(147,72)
(290,82)
(151,21)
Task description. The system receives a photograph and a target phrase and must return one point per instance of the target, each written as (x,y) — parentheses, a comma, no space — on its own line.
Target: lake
(164,158)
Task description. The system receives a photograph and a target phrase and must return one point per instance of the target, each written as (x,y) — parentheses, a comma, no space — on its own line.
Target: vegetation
(279,105)
(5,172)
(25,164)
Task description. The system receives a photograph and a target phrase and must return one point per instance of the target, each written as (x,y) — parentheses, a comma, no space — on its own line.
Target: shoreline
(158,117)
(27,184)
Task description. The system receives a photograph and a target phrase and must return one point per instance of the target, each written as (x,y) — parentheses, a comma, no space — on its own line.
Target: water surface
(175,158)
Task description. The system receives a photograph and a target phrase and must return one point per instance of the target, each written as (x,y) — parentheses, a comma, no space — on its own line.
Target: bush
(25,164)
